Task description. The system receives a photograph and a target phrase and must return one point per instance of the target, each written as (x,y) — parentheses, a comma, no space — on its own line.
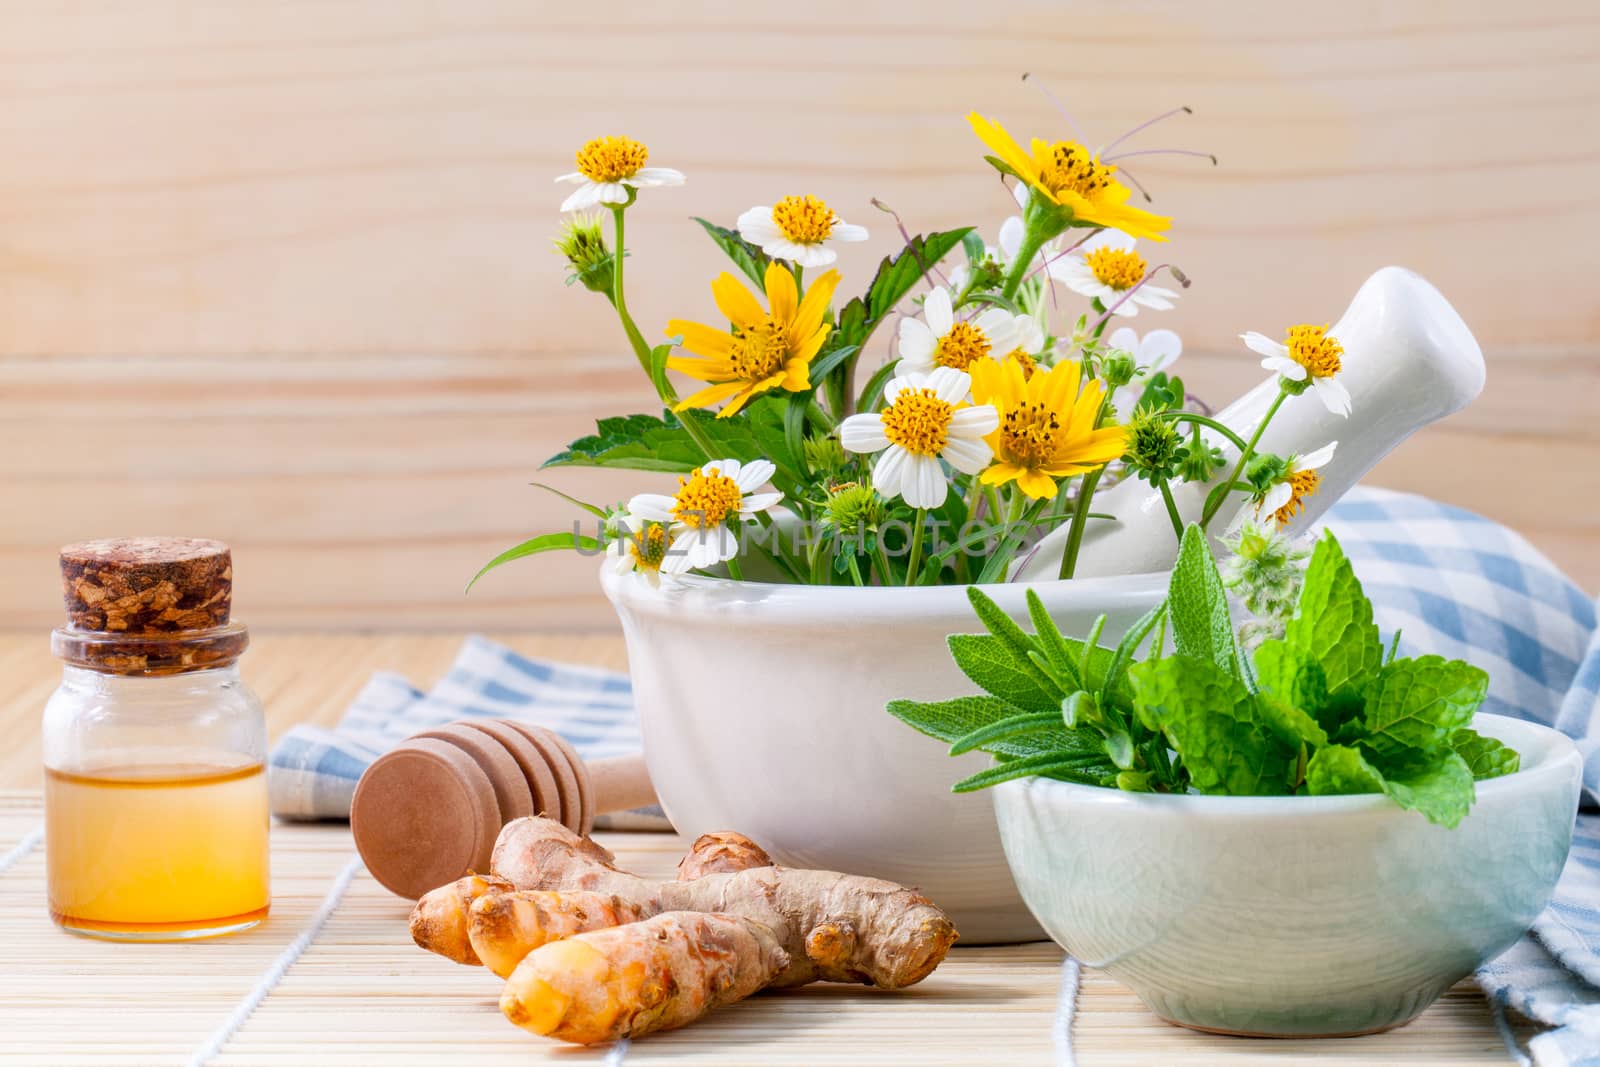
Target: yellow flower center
(705,499)
(1072,167)
(1116,268)
(918,421)
(611,159)
(1030,433)
(1313,349)
(760,351)
(649,547)
(805,220)
(963,344)
(1029,366)
(1301,485)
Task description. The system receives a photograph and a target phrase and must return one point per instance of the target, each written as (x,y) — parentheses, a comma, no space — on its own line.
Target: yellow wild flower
(1046,430)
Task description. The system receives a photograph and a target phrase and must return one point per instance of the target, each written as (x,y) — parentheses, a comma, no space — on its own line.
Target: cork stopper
(142,585)
(148,605)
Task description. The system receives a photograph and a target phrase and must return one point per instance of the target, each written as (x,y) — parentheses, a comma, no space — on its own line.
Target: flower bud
(583,244)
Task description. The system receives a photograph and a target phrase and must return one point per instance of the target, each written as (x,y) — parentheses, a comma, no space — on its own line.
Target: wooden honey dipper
(428,811)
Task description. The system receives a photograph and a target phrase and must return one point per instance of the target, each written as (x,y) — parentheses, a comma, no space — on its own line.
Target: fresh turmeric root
(657,974)
(593,953)
(508,929)
(834,927)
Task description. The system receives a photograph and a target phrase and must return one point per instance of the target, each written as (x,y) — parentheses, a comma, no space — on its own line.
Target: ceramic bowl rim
(1557,753)
(777,596)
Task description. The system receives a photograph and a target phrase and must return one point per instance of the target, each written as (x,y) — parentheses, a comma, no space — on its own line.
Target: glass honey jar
(154,749)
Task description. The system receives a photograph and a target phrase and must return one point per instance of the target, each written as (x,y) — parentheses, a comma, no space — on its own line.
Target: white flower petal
(938,313)
(974,422)
(1108,239)
(1029,334)
(652,507)
(969,455)
(1316,460)
(728,468)
(1117,306)
(1285,366)
(1011,234)
(582,197)
(1158,349)
(889,472)
(1021,192)
(950,385)
(657,176)
(817,255)
(1333,395)
(575,178)
(901,382)
(863,433)
(758,502)
(1125,338)
(916,340)
(924,484)
(1277,496)
(757,227)
(1000,327)
(755,474)
(843,231)
(1261,344)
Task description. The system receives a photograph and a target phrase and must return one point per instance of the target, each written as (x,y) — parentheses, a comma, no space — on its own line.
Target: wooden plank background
(278,272)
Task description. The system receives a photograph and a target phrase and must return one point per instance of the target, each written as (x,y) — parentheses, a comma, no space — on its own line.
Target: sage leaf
(1197,604)
(999,670)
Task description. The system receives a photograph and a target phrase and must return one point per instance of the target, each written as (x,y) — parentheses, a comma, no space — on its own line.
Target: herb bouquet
(1002,407)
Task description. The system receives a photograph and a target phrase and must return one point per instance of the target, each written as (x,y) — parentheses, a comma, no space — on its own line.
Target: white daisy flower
(1286,497)
(798,229)
(926,420)
(1106,267)
(609,169)
(639,547)
(701,515)
(938,339)
(1311,352)
(1154,352)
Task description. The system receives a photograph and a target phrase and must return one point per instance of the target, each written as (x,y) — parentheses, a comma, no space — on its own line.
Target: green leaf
(1292,725)
(1293,691)
(1198,605)
(1416,705)
(826,363)
(1443,793)
(951,720)
(972,244)
(746,256)
(543,543)
(1339,769)
(1215,724)
(1016,640)
(896,276)
(1123,656)
(1333,621)
(1085,769)
(1015,726)
(658,365)
(1486,757)
(996,669)
(598,513)
(648,443)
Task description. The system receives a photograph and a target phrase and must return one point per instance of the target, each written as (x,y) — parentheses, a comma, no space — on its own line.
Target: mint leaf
(1443,792)
(1291,675)
(1416,705)
(993,665)
(1333,620)
(1337,769)
(1485,756)
(1215,724)
(648,443)
(746,256)
(1291,725)
(1198,605)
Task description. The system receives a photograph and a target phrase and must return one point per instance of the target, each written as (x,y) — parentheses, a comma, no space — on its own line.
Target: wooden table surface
(361,994)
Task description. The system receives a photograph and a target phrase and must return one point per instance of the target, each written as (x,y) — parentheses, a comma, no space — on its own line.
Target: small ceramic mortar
(1292,916)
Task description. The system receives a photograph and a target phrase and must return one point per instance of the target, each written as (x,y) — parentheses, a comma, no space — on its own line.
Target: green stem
(734,570)
(1032,241)
(883,558)
(914,561)
(641,348)
(1244,457)
(819,415)
(1172,509)
(1080,519)
(1201,420)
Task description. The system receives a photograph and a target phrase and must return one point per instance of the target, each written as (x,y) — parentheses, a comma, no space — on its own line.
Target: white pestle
(1408,361)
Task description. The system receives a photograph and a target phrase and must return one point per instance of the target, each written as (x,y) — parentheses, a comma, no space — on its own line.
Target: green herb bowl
(1292,916)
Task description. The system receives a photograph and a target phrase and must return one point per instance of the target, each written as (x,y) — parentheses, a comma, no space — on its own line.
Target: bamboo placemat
(360,994)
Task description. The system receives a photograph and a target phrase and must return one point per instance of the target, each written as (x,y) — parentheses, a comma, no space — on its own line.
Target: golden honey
(152,851)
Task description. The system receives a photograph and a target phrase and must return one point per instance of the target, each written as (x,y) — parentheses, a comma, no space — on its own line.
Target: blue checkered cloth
(1453,583)
(1456,584)
(312,772)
